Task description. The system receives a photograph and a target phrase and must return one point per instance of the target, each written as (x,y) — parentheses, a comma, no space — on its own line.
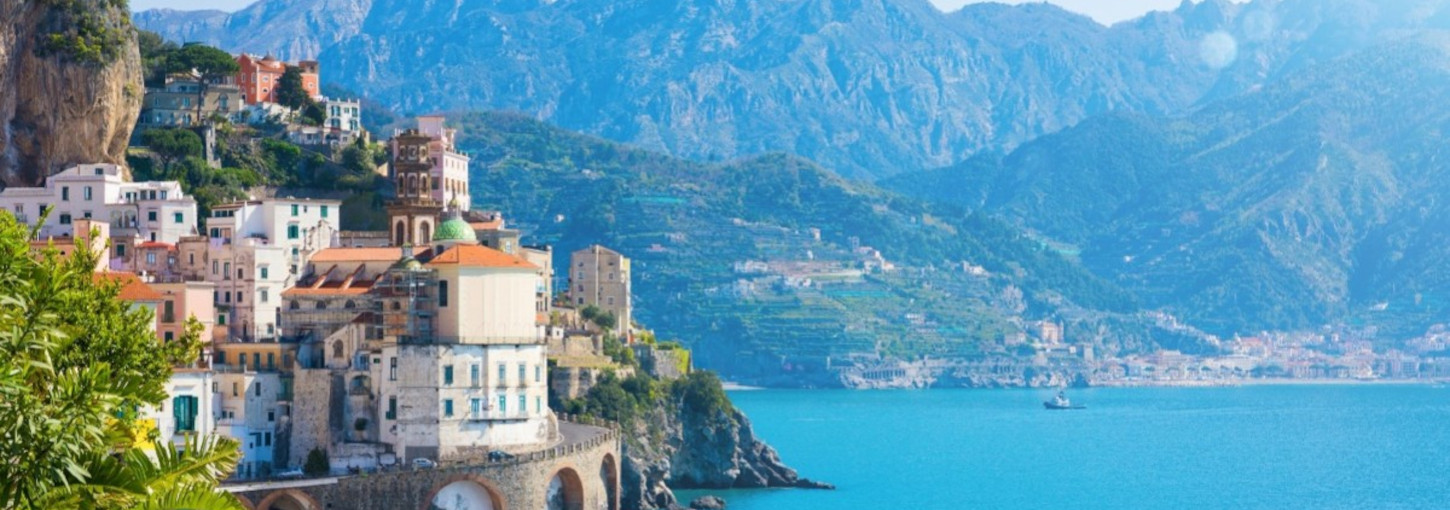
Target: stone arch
(464,485)
(609,474)
(565,490)
(246,503)
(288,499)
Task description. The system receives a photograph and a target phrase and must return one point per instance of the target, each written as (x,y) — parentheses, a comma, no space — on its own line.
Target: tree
(76,365)
(317,463)
(172,145)
(290,92)
(313,114)
(210,63)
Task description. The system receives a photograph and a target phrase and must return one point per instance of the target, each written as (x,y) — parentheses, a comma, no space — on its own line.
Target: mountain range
(867,88)
(1318,199)
(1273,165)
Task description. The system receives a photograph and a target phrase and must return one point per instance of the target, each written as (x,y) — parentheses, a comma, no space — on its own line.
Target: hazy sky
(1105,11)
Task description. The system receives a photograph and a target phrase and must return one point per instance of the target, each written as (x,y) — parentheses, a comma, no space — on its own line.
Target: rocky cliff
(693,438)
(70,85)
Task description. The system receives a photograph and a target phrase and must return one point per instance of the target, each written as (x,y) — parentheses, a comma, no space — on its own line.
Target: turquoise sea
(1319,447)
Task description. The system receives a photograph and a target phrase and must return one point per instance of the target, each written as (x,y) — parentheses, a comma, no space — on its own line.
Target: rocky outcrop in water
(70,86)
(697,443)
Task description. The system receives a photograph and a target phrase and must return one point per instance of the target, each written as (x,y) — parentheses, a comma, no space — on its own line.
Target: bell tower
(413,213)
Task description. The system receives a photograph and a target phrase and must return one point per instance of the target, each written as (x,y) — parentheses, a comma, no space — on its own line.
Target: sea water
(1320,447)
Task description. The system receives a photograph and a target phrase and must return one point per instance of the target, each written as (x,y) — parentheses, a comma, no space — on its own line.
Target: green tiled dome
(454,229)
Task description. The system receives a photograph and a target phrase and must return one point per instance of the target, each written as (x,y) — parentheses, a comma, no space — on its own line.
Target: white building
(343,115)
(250,276)
(136,211)
(251,407)
(190,408)
(300,226)
(479,382)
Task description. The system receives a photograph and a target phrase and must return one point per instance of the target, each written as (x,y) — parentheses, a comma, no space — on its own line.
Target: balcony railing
(471,340)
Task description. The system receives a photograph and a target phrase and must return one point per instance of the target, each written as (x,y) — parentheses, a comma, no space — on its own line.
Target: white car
(290,473)
(421,463)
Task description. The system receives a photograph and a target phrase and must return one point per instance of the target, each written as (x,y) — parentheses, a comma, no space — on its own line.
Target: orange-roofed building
(258,78)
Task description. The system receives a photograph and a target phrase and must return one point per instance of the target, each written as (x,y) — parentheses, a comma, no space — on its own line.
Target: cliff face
(698,450)
(59,103)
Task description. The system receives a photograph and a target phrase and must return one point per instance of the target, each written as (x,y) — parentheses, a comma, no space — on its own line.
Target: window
(442,293)
(502,376)
(169,336)
(271,361)
(65,193)
(239,272)
(538,405)
(151,216)
(234,384)
(168,310)
(263,296)
(86,193)
(503,404)
(522,369)
(538,373)
(475,407)
(221,320)
(447,408)
(448,375)
(120,250)
(256,386)
(393,369)
(86,215)
(184,410)
(324,211)
(216,232)
(294,209)
(180,218)
(221,357)
(523,404)
(264,272)
(271,416)
(214,265)
(292,233)
(65,219)
(610,301)
(151,257)
(473,375)
(268,436)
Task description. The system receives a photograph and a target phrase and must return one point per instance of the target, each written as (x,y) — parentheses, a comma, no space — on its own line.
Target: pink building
(449,175)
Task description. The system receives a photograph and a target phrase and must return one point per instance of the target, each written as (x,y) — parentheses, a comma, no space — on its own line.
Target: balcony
(470,340)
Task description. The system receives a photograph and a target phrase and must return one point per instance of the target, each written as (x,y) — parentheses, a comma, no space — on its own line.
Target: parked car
(421,463)
(499,456)
(290,474)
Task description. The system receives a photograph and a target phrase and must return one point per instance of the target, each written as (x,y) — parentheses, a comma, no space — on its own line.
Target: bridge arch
(566,490)
(609,475)
(246,503)
(288,499)
(465,492)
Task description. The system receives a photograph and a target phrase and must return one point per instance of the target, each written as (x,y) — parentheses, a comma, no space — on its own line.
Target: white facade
(250,407)
(300,226)
(250,276)
(343,115)
(189,409)
(456,401)
(148,211)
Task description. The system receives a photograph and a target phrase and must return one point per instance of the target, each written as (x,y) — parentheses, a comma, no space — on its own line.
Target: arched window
(425,233)
(293,305)
(349,305)
(397,306)
(337,348)
(398,234)
(321,305)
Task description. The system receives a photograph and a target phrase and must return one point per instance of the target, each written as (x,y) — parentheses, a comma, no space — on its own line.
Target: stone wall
(587,463)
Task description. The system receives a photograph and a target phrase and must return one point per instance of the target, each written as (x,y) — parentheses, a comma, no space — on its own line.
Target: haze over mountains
(1269,165)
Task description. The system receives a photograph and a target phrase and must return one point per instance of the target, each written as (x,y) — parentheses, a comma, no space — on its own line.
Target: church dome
(454,229)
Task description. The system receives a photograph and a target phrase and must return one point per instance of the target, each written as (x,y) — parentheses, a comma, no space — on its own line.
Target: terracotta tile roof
(479,256)
(487,225)
(132,288)
(387,254)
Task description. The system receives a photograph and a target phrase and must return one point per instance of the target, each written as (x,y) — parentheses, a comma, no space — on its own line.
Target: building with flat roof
(600,277)
(136,211)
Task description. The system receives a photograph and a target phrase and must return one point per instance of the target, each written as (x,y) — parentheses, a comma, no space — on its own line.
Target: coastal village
(444,339)
(437,342)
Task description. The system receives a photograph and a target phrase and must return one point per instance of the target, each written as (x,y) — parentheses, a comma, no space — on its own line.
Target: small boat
(1060,402)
